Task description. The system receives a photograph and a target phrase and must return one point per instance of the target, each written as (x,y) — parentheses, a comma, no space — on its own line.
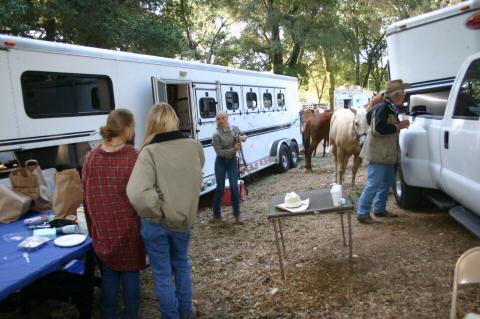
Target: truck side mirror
(418,110)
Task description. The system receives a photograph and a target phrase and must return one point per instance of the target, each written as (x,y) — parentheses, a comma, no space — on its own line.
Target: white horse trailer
(347,97)
(56,96)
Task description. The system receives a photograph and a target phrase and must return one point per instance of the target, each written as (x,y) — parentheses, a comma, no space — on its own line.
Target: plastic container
(336,192)
(82,220)
(33,243)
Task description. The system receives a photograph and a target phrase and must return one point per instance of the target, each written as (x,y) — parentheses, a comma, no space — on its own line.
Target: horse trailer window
(208,107)
(267,100)
(280,100)
(232,101)
(251,100)
(468,101)
(52,94)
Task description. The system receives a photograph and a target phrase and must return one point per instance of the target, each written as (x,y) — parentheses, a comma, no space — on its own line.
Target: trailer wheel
(284,157)
(406,196)
(294,155)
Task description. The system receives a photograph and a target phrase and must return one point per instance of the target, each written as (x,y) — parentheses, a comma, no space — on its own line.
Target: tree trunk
(276,54)
(50,29)
(329,73)
(323,88)
(357,57)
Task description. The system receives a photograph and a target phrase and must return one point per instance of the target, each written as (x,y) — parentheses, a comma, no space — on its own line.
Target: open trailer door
(159,89)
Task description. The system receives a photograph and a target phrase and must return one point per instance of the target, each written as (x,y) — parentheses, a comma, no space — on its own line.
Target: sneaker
(217,220)
(238,221)
(366,220)
(386,214)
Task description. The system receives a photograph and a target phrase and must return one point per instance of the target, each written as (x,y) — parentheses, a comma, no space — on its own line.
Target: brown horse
(316,130)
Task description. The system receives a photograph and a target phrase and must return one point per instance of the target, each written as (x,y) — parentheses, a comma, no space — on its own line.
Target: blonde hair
(118,120)
(161,119)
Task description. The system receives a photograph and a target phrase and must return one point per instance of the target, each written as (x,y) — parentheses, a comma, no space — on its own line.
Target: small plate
(70,240)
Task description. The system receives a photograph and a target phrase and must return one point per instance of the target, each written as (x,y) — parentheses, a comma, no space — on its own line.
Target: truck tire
(284,157)
(406,196)
(294,155)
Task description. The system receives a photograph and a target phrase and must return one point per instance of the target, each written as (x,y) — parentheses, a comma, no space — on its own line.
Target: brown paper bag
(29,181)
(68,194)
(12,205)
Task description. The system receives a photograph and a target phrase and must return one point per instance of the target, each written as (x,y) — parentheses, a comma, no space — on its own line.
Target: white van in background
(354,96)
(55,97)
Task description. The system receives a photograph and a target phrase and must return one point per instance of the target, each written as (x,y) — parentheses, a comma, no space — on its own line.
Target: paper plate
(70,240)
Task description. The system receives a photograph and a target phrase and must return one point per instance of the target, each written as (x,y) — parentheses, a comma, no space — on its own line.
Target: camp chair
(467,271)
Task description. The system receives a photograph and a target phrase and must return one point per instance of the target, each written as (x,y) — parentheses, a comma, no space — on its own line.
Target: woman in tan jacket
(164,188)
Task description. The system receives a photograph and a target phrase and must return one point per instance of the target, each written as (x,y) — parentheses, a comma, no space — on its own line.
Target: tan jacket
(166,181)
(379,148)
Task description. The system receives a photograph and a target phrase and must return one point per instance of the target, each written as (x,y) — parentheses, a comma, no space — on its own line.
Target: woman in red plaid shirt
(113,222)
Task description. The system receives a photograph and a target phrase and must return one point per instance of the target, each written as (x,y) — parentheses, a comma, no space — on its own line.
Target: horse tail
(306,137)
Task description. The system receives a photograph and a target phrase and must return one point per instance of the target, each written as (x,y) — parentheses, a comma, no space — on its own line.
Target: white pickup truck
(440,151)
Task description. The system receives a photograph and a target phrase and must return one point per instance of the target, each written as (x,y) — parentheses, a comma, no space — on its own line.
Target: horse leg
(335,160)
(312,150)
(325,142)
(357,160)
(343,158)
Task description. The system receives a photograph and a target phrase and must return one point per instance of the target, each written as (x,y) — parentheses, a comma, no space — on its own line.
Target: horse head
(360,125)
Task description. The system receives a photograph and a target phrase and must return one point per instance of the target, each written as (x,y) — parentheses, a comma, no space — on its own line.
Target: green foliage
(325,43)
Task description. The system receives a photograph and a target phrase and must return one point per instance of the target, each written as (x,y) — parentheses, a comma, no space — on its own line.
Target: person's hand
(404,124)
(237,146)
(242,138)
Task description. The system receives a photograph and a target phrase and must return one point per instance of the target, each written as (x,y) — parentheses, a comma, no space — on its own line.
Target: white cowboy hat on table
(293,203)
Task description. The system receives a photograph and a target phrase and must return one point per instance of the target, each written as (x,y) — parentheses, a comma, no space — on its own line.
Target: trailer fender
(275,148)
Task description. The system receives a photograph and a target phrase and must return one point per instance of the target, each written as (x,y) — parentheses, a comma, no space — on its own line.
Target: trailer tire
(406,196)
(294,155)
(284,159)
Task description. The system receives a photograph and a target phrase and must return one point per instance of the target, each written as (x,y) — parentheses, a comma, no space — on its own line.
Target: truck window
(252,100)
(435,101)
(467,105)
(208,107)
(53,94)
(232,101)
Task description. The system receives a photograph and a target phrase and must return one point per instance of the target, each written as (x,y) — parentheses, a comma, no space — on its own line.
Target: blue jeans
(225,167)
(380,178)
(130,281)
(168,253)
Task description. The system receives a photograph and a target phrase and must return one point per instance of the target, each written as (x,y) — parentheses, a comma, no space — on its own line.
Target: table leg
(350,242)
(343,230)
(280,259)
(281,237)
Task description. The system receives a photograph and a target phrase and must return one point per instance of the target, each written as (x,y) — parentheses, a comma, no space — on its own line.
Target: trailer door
(159,89)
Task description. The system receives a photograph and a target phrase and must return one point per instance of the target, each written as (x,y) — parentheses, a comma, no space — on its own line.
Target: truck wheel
(284,157)
(294,155)
(406,196)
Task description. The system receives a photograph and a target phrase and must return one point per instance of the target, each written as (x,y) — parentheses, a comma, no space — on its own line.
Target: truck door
(460,144)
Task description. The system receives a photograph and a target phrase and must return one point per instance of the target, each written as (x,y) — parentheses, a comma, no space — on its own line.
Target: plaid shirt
(113,223)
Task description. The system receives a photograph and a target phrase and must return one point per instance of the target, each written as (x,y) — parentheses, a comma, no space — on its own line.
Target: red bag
(227,195)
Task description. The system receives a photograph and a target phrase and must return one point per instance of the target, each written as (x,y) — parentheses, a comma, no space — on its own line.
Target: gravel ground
(403,267)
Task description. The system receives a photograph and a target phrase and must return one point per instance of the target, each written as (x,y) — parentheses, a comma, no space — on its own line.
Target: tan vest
(379,148)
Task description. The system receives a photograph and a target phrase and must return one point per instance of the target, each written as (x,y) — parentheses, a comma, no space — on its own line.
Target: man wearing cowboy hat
(382,152)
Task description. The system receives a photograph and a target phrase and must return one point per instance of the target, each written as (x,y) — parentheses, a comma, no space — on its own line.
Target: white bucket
(336,192)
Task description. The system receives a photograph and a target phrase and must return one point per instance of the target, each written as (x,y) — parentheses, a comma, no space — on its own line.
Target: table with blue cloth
(37,272)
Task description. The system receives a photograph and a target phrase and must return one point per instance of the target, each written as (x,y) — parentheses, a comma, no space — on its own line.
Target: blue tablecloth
(16,272)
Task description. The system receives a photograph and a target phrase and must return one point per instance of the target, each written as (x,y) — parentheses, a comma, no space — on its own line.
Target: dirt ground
(403,267)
